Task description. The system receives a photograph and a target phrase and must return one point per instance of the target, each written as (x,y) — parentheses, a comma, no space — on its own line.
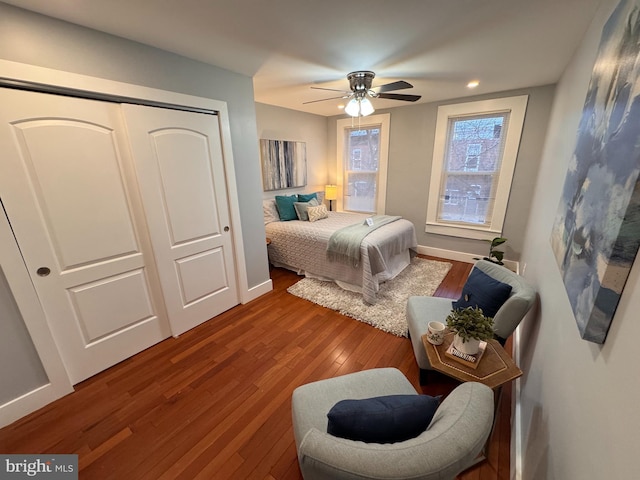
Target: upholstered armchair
(423,309)
(455,436)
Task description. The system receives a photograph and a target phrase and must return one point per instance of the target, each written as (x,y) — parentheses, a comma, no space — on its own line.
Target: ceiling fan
(360,84)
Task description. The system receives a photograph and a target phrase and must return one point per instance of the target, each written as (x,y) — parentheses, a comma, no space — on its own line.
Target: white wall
(276,123)
(580,415)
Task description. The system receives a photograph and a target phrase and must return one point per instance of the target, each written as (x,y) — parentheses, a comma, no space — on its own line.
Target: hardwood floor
(215,402)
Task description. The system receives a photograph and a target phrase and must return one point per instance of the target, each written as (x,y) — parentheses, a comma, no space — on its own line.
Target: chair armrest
(456,435)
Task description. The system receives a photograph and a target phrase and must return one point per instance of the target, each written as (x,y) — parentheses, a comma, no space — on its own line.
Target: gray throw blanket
(344,244)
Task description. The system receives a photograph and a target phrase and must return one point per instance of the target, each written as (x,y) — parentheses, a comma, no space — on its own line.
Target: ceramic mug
(435,333)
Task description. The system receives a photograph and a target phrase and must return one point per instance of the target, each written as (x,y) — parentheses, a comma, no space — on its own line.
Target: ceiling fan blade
(329,89)
(399,96)
(323,99)
(389,87)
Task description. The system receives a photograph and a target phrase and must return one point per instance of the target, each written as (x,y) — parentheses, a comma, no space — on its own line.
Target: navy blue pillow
(484,292)
(388,419)
(286,210)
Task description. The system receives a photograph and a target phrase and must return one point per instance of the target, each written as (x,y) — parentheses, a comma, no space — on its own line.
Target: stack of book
(471,361)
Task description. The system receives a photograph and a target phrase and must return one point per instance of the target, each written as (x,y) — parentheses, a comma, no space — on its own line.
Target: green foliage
(497,254)
(469,323)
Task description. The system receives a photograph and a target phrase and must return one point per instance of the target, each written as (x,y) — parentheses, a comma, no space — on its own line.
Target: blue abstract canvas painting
(596,233)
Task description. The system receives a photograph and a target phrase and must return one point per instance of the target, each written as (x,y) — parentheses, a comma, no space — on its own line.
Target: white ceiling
(287,46)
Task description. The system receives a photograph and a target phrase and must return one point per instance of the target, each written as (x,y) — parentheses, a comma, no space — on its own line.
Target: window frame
(383,121)
(516,106)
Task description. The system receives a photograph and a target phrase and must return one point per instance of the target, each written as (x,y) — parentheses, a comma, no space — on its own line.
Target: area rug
(421,277)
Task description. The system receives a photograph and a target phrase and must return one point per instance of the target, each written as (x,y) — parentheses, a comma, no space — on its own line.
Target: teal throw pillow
(286,210)
(305,197)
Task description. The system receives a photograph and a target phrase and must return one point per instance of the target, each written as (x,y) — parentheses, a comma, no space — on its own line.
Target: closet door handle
(43,271)
(226,229)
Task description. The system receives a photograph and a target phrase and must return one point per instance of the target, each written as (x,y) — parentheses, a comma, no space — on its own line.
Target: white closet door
(64,186)
(178,158)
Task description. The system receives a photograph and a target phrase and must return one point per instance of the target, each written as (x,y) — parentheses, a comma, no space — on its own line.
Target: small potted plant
(471,327)
(496,256)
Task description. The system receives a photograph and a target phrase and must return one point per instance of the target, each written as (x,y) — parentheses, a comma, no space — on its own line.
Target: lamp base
(330,205)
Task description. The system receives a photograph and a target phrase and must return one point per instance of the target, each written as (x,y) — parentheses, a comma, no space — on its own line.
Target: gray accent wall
(410,156)
(39,40)
(579,400)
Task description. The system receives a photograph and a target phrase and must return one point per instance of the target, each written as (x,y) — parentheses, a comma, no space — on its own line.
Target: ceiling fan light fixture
(359,104)
(366,108)
(359,107)
(353,108)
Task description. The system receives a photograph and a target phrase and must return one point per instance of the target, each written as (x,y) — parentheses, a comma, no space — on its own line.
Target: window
(362,163)
(475,150)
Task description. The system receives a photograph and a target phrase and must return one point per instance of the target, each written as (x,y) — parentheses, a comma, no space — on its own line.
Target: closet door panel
(99,316)
(194,275)
(179,164)
(68,196)
(75,176)
(186,184)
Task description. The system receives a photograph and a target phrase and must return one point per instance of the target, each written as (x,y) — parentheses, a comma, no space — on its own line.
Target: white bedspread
(301,246)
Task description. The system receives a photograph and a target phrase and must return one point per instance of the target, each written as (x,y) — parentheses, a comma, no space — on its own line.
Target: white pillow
(270,211)
(317,213)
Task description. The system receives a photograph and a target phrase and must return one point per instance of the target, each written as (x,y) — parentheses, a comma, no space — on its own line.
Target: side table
(496,368)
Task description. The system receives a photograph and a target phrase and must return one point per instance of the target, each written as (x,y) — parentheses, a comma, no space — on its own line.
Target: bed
(301,246)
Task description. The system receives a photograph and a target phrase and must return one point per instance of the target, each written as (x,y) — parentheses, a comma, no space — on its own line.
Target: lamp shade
(331,192)
(352,108)
(366,108)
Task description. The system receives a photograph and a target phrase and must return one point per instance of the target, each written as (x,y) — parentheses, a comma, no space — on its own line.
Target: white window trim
(384,120)
(517,107)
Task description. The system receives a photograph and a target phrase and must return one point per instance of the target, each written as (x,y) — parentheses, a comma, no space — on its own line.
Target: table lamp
(331,194)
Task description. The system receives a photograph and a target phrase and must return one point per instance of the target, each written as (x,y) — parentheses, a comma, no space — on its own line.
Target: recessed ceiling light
(341,106)
(473,84)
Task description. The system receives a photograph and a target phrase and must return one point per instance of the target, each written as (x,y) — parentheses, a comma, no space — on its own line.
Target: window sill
(462,231)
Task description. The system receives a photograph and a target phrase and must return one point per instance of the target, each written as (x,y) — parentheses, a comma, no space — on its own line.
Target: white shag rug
(421,277)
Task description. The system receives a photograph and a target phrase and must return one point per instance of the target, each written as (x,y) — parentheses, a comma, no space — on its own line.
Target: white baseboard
(462,256)
(31,401)
(257,291)
(448,254)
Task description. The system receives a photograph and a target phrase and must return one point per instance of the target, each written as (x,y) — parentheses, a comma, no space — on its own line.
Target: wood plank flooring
(215,402)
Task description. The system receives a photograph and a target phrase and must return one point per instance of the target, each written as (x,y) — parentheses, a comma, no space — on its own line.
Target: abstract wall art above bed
(284,164)
(596,234)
